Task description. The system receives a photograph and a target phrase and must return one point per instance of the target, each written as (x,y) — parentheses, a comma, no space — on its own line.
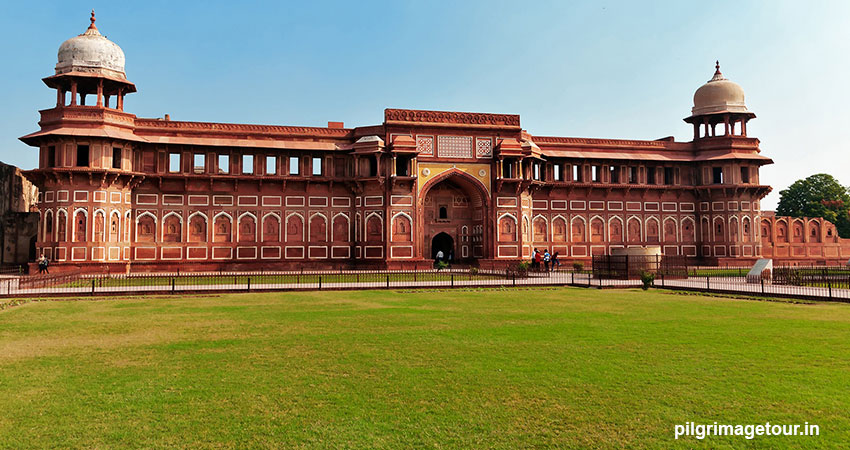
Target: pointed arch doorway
(442,242)
(453,215)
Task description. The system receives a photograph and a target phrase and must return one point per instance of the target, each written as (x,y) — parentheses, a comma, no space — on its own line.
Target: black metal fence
(829,284)
(629,267)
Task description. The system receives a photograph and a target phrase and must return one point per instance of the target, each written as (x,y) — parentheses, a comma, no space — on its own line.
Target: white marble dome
(719,95)
(91,52)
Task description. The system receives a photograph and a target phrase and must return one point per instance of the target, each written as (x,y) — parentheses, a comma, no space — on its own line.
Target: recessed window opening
(223,164)
(668,175)
(717,175)
(293,166)
(174,162)
(271,165)
(116,158)
(317,166)
(199,162)
(247,164)
(82,156)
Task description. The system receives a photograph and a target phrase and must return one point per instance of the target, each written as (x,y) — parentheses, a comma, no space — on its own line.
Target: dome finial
(716,66)
(92,19)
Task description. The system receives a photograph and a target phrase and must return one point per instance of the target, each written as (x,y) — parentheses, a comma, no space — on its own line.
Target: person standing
(534,260)
(555,261)
(546,258)
(538,258)
(41,266)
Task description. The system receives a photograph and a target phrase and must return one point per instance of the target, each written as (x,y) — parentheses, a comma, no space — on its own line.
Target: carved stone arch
(597,229)
(616,228)
(560,230)
(652,229)
(813,233)
(222,224)
(578,229)
(47,226)
(172,227)
(634,230)
(80,226)
(670,230)
(197,229)
(114,226)
(340,231)
(747,229)
(146,225)
(246,229)
(705,230)
(526,229)
(798,231)
(271,226)
(318,227)
(295,227)
(507,224)
(358,227)
(402,227)
(99,226)
(688,230)
(734,231)
(782,231)
(718,229)
(374,227)
(540,229)
(61,225)
(128,220)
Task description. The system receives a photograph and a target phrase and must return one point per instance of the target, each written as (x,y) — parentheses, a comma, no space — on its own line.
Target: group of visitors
(548,261)
(42,264)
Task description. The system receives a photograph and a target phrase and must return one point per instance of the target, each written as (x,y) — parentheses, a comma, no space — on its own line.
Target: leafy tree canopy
(819,195)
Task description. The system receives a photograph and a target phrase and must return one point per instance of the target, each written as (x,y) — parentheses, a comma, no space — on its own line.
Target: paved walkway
(161,283)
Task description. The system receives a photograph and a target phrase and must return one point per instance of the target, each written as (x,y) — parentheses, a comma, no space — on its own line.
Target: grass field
(564,367)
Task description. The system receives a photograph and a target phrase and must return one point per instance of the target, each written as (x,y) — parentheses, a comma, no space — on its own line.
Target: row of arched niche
(617,229)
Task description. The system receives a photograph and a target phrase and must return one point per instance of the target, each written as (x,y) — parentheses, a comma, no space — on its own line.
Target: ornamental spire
(717,75)
(92,29)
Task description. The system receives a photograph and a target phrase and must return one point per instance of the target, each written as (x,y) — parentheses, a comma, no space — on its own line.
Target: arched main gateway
(453,214)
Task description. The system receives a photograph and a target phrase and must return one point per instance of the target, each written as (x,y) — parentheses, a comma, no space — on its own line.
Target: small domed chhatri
(91,52)
(719,95)
(719,102)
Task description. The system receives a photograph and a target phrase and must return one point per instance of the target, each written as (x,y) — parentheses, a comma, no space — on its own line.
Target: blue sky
(588,69)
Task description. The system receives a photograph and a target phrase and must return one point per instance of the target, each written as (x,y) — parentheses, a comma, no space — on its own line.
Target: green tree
(817,196)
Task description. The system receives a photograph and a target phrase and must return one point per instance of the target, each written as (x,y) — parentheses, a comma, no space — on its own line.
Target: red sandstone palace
(121,191)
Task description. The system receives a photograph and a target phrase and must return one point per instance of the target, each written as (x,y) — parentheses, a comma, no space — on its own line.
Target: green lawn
(564,367)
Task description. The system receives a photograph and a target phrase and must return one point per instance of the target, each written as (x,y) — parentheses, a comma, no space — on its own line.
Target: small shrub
(473,271)
(523,266)
(442,265)
(647,278)
(578,266)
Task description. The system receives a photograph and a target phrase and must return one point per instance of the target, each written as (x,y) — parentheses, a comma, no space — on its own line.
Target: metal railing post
(388,280)
(320,282)
(707,282)
(453,280)
(249,283)
(92,286)
(829,287)
(762,285)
